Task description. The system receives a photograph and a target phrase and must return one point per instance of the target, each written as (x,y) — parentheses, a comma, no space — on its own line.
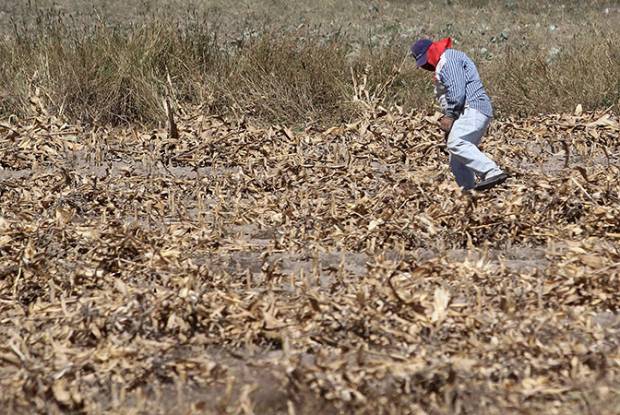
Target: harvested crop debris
(244,269)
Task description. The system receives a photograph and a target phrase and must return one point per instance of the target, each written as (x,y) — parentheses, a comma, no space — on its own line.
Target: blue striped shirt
(458,85)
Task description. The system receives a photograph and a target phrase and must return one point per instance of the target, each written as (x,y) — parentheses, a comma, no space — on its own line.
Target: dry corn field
(242,269)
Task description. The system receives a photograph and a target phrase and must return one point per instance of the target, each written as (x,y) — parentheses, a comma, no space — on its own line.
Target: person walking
(467,112)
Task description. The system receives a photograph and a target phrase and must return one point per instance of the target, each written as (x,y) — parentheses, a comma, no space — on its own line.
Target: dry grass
(291,61)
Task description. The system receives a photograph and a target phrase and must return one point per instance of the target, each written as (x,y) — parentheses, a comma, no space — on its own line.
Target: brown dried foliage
(239,269)
(108,61)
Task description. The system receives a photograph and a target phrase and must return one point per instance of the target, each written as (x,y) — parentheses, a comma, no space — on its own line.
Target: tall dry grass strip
(282,63)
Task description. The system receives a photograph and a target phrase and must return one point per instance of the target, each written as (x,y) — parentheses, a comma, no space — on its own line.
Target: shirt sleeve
(453,77)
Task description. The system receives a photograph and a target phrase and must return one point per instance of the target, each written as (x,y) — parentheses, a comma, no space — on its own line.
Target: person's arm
(452,75)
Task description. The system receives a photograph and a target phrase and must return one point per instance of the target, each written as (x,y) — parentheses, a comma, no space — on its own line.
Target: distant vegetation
(296,61)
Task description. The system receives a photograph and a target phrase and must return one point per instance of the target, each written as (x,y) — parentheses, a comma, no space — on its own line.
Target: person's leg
(464,176)
(463,142)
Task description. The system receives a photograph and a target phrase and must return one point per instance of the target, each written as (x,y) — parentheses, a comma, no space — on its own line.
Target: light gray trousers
(466,160)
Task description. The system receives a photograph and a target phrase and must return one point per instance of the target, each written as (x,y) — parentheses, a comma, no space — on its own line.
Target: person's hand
(445,123)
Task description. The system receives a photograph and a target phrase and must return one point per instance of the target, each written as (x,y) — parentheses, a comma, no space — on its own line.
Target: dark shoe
(491,181)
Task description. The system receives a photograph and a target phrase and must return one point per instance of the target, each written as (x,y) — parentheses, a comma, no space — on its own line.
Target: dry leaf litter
(242,269)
